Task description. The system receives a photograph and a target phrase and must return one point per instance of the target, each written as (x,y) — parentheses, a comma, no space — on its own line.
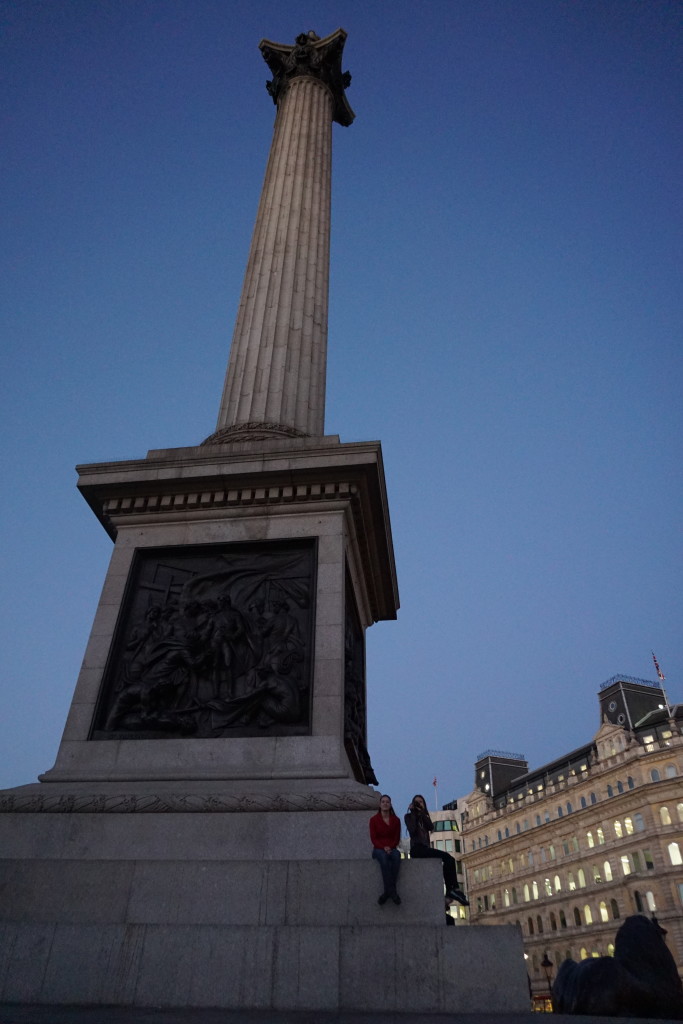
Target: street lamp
(547,965)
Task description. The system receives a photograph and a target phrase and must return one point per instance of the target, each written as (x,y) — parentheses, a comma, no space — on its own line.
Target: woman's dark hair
(421,798)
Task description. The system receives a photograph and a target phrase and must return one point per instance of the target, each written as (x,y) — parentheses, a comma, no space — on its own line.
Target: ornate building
(569,850)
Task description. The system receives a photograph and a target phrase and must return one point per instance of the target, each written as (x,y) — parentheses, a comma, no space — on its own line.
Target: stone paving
(157,1015)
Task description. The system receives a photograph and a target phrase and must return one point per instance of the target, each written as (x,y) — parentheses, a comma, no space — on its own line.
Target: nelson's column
(202,839)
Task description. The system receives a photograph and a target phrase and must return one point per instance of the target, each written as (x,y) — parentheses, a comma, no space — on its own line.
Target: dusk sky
(506,316)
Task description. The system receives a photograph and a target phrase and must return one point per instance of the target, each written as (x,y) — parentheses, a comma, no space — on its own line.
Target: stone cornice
(193,803)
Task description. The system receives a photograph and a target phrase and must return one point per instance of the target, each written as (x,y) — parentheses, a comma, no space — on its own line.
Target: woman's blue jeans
(390,865)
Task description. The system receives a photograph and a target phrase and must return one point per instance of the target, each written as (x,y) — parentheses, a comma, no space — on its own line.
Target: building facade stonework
(568,851)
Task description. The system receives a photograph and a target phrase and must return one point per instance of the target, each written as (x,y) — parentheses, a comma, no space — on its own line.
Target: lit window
(587,913)
(589,839)
(607,869)
(534,890)
(618,831)
(548,887)
(582,878)
(679,811)
(604,916)
(649,742)
(675,853)
(571,884)
(625,864)
(650,899)
(527,895)
(664,815)
(551,851)
(584,953)
(506,897)
(601,837)
(597,878)
(610,949)
(558,884)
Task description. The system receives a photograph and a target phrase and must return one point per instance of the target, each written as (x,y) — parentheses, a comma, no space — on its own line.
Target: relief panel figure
(214,640)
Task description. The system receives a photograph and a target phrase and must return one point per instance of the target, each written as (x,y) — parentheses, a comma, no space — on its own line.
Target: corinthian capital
(314,57)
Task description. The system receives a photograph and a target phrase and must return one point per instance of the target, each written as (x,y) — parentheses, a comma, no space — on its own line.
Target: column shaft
(276,371)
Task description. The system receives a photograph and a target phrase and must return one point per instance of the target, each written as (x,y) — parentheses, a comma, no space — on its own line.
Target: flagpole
(662,677)
(436,794)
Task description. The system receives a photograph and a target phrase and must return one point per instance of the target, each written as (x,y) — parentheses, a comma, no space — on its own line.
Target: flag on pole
(659,671)
(434,782)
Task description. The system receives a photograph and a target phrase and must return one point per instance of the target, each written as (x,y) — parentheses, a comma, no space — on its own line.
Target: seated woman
(419,826)
(385,833)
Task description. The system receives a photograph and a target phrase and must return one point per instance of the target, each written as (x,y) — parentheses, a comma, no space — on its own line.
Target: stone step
(422,969)
(295,893)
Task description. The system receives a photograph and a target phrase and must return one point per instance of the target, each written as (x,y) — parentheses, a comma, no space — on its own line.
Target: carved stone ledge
(253,431)
(99,803)
(179,502)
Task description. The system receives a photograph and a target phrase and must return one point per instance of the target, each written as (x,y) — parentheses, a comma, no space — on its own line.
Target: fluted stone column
(275,382)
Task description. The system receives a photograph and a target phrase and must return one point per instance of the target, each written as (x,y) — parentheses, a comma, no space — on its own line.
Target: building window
(553,922)
(548,887)
(530,925)
(517,828)
(575,844)
(563,919)
(680,892)
(630,783)
(618,831)
(610,949)
(625,864)
(514,895)
(595,870)
(620,787)
(664,815)
(588,914)
(538,819)
(654,775)
(589,839)
(594,798)
(531,858)
(539,924)
(584,953)
(675,853)
(500,835)
(610,791)
(544,855)
(601,837)
(547,816)
(638,823)
(649,862)
(565,847)
(638,902)
(649,742)
(604,916)
(506,897)
(582,878)
(551,851)
(635,857)
(577,919)
(527,895)
(534,890)
(558,884)
(571,884)
(614,907)
(628,825)
(650,900)
(583,802)
(569,808)
(559,812)
(670,771)
(607,869)
(507,833)
(679,811)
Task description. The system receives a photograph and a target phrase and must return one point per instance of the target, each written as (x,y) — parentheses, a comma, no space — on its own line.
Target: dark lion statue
(640,980)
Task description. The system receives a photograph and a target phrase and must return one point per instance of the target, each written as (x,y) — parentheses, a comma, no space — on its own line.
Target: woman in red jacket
(385,833)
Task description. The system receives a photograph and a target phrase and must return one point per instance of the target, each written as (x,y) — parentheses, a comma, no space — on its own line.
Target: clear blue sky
(506,317)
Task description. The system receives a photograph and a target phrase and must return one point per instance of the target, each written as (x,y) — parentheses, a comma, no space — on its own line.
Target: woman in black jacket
(419,827)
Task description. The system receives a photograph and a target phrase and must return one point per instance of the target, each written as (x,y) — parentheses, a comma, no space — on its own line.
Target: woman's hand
(387,849)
